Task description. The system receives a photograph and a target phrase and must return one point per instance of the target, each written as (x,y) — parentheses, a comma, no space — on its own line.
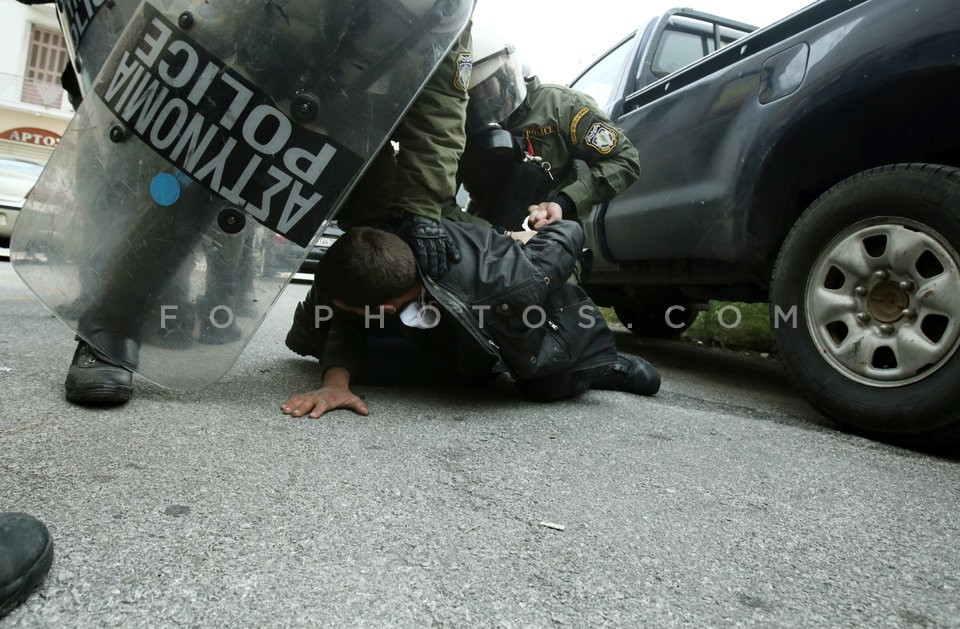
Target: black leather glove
(431,245)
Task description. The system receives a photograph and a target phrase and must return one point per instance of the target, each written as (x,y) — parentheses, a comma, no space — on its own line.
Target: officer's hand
(431,245)
(543,214)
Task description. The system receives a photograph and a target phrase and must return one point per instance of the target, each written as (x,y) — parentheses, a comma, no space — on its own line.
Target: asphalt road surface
(723,501)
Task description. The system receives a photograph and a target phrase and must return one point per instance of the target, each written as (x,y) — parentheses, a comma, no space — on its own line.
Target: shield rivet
(117,133)
(231,220)
(304,107)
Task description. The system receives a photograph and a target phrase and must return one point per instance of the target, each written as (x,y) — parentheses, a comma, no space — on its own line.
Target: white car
(17,177)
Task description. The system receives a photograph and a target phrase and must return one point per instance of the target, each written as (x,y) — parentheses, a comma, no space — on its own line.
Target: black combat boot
(630,373)
(94,381)
(26,553)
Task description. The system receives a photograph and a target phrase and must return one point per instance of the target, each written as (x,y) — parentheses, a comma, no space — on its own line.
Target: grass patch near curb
(734,325)
(728,325)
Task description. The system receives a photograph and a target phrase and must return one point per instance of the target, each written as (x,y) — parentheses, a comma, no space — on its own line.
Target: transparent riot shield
(213,147)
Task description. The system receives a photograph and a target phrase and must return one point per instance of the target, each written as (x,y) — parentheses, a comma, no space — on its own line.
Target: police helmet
(497,87)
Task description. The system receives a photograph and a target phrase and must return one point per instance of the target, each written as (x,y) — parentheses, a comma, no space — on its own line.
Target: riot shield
(212,148)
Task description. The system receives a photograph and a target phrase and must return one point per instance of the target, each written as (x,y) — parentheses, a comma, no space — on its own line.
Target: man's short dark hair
(366,267)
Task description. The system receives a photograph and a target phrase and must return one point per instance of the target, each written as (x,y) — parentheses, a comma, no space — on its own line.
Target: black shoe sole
(101,395)
(20,589)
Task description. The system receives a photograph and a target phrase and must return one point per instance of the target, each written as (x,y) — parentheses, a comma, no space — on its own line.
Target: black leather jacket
(515,300)
(515,303)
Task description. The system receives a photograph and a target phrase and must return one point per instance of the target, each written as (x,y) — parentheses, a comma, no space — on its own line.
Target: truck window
(601,79)
(678,49)
(686,40)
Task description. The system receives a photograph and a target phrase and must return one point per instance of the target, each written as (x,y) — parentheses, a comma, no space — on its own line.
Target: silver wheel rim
(883,302)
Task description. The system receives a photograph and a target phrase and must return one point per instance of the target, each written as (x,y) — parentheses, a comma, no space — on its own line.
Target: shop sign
(32,135)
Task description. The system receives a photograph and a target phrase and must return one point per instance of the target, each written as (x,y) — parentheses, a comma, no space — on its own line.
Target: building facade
(34,110)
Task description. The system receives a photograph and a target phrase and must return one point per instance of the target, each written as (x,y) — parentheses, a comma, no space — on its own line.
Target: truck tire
(865,304)
(649,320)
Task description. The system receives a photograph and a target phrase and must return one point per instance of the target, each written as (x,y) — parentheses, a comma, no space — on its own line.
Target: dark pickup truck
(812,164)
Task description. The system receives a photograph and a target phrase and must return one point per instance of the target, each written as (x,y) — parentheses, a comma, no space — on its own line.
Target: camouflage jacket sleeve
(431,137)
(612,159)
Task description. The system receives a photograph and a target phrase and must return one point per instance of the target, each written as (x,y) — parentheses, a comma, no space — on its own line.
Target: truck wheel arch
(822,143)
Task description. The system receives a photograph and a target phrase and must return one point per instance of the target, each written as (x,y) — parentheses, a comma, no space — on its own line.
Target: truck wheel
(865,304)
(650,319)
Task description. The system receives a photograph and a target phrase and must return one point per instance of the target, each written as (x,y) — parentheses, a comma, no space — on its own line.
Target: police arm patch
(601,137)
(464,69)
(573,125)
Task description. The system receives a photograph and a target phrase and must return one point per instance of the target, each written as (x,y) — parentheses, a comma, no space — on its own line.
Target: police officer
(552,127)
(404,190)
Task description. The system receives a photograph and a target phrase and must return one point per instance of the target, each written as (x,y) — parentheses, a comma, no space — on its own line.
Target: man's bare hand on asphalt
(335,393)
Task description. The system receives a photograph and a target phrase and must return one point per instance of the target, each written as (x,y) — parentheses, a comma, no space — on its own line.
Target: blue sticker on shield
(165,189)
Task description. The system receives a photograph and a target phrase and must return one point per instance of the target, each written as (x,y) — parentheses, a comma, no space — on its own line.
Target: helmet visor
(496,90)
